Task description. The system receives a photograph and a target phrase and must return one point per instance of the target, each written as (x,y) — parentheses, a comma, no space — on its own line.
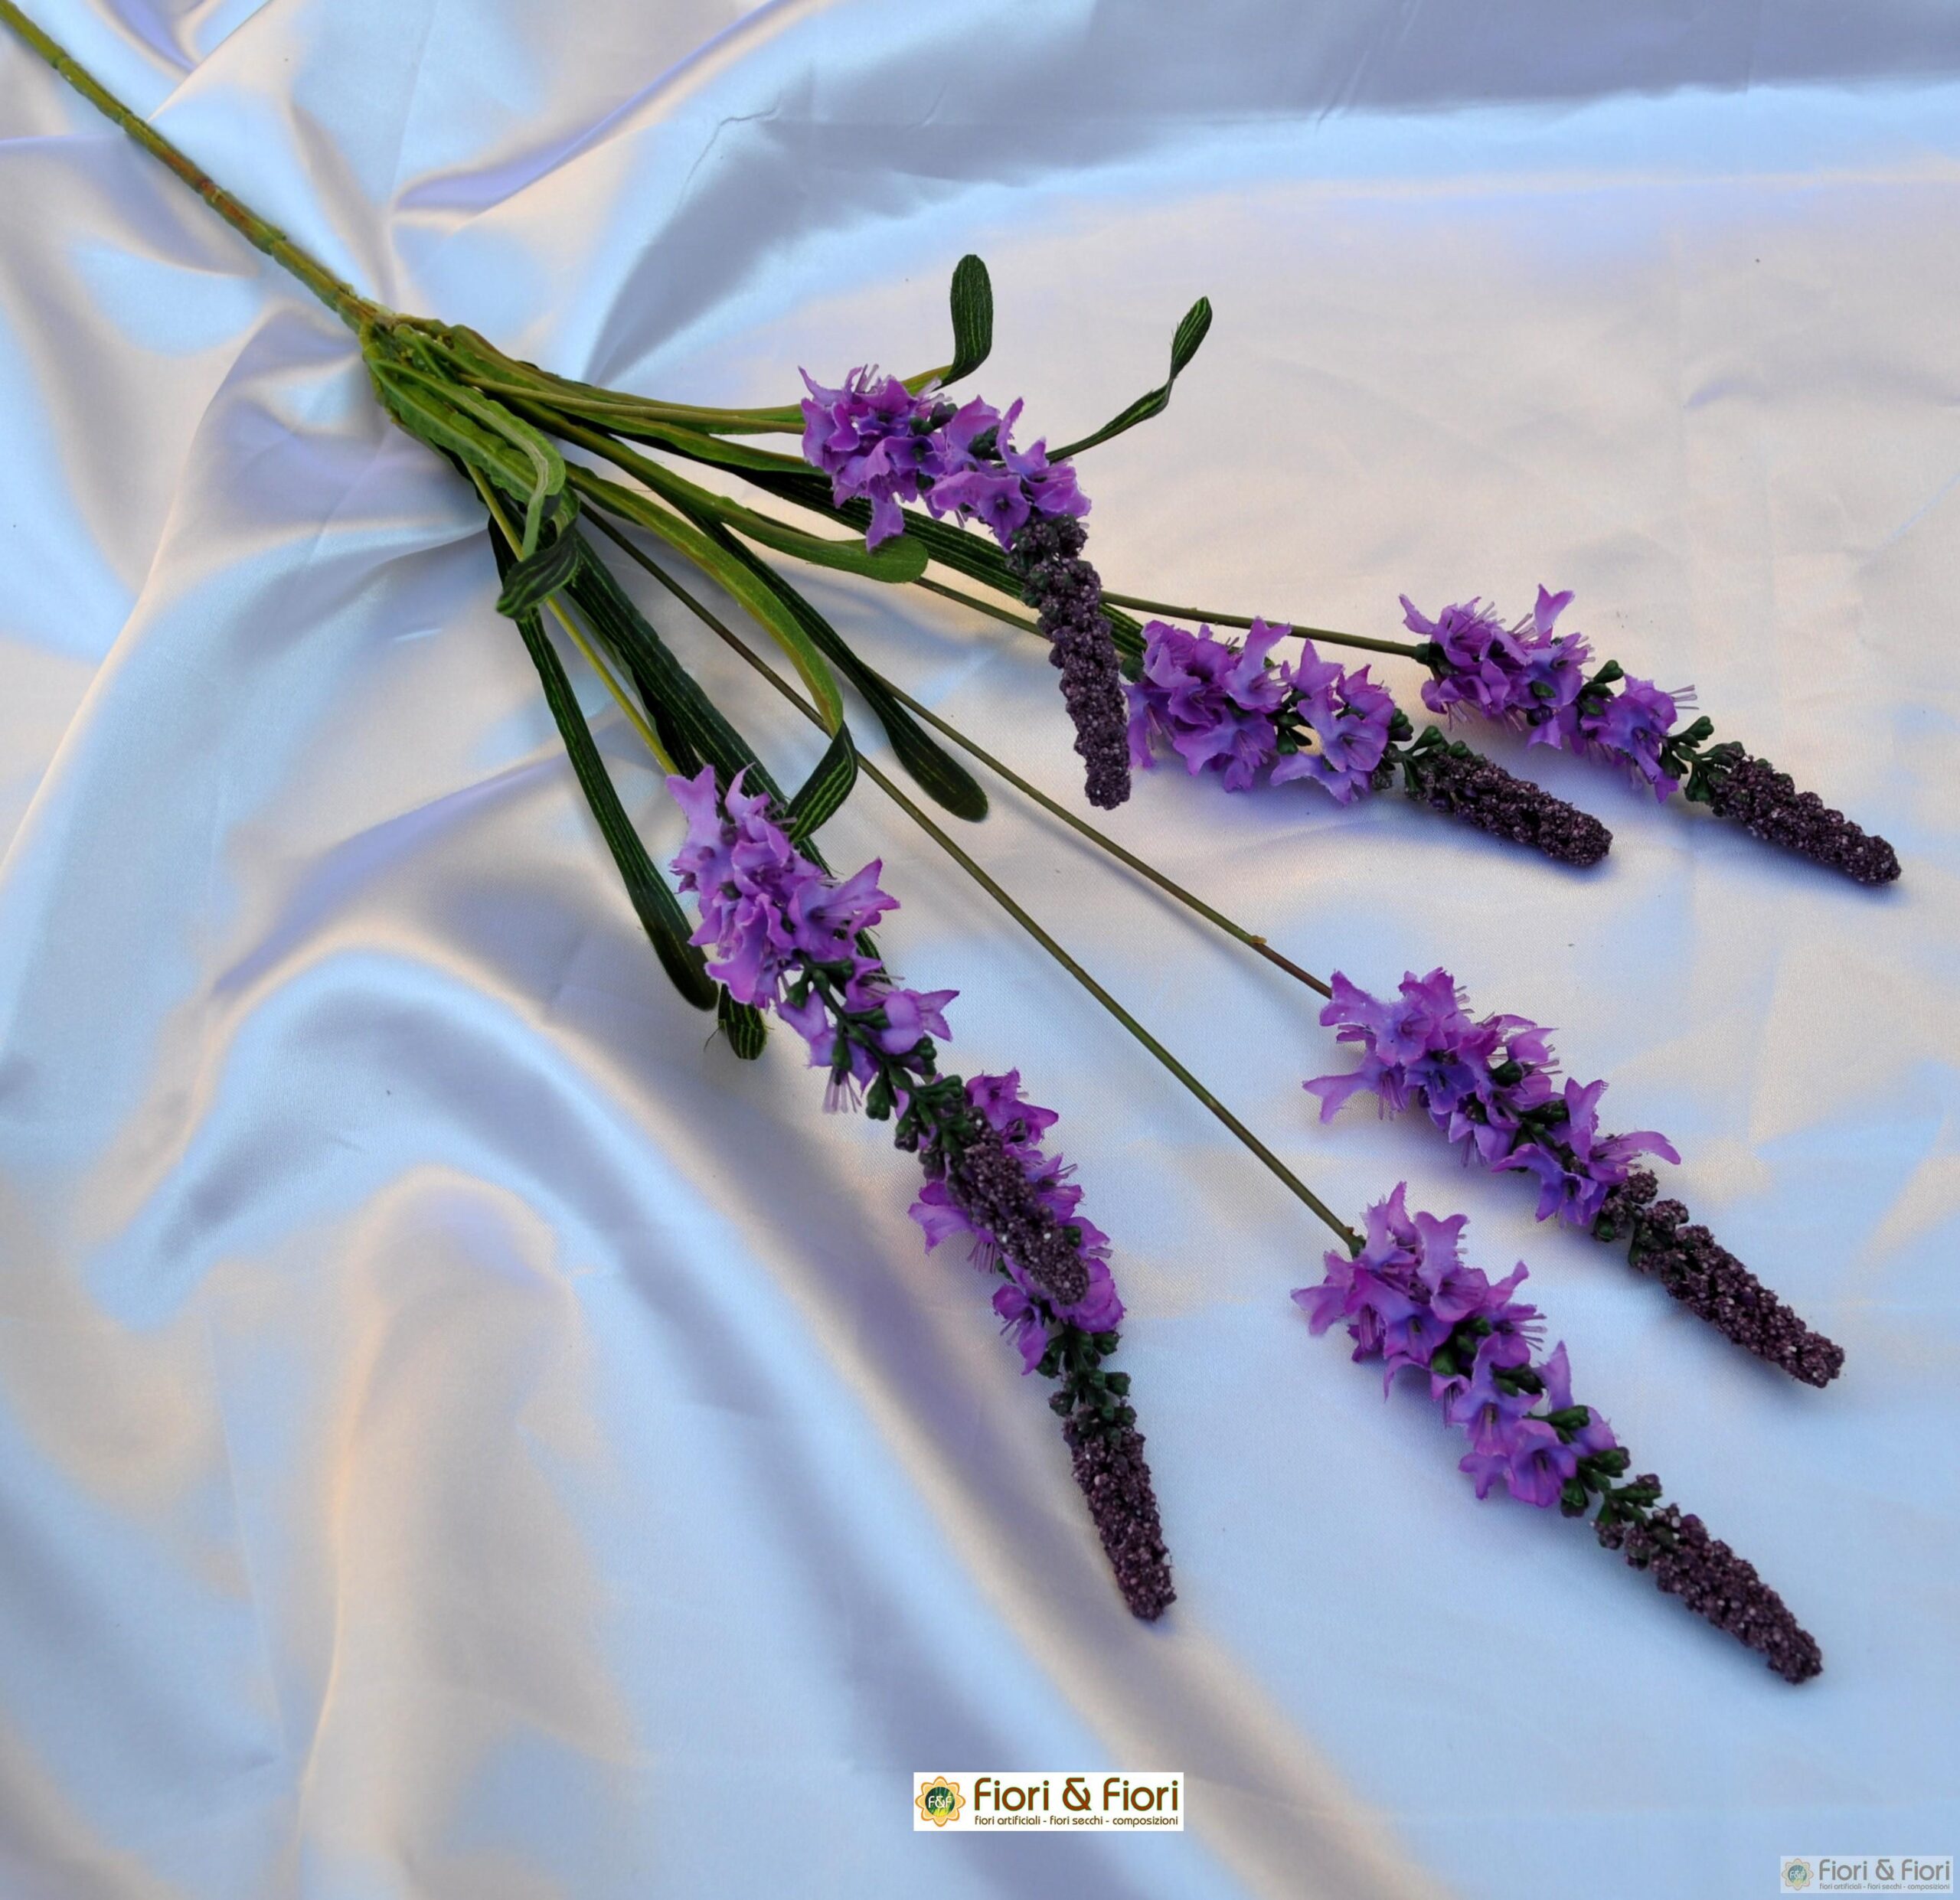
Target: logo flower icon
(939,1801)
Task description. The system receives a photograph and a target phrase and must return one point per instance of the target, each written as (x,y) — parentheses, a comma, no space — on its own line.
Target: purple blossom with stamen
(1349,715)
(1212,703)
(872,438)
(1532,677)
(1487,1086)
(880,443)
(766,911)
(1230,707)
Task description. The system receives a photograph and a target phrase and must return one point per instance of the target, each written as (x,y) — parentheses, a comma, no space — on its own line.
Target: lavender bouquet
(910,472)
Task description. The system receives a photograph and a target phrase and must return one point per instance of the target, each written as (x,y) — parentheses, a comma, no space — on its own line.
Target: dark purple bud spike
(1677,1552)
(1711,1282)
(992,1189)
(1114,1481)
(1466,786)
(1766,803)
(1067,594)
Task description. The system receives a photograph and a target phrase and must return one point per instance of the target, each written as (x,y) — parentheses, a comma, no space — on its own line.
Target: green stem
(1103,841)
(342,298)
(984,879)
(980,606)
(1407,649)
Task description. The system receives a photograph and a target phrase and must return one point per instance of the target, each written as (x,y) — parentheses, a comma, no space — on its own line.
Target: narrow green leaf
(973,301)
(489,369)
(1184,346)
(936,772)
(425,416)
(689,538)
(723,452)
(895,561)
(529,583)
(952,546)
(685,715)
(828,786)
(743,1024)
(659,909)
(546,465)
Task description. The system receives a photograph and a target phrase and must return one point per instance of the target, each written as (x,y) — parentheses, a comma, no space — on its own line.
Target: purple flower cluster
(1026,1310)
(1488,1085)
(767,913)
(1530,676)
(879,442)
(1408,1299)
(1232,709)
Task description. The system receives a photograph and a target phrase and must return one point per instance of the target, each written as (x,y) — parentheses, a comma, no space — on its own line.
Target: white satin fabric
(461,1436)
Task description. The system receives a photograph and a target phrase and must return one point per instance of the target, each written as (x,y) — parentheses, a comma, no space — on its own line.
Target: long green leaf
(898,560)
(725,451)
(664,684)
(671,692)
(546,465)
(937,773)
(687,539)
(489,369)
(792,479)
(430,418)
(1184,346)
(659,909)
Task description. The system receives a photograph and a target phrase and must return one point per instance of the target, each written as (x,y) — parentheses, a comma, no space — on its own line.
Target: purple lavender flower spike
(1477,1351)
(879,443)
(785,935)
(1487,1086)
(1531,677)
(1232,710)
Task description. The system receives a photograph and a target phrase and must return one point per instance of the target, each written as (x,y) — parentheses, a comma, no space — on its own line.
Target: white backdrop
(461,1437)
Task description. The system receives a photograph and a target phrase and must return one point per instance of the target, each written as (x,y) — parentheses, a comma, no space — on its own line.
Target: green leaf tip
(972,300)
(531,582)
(819,796)
(1185,341)
(743,1024)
